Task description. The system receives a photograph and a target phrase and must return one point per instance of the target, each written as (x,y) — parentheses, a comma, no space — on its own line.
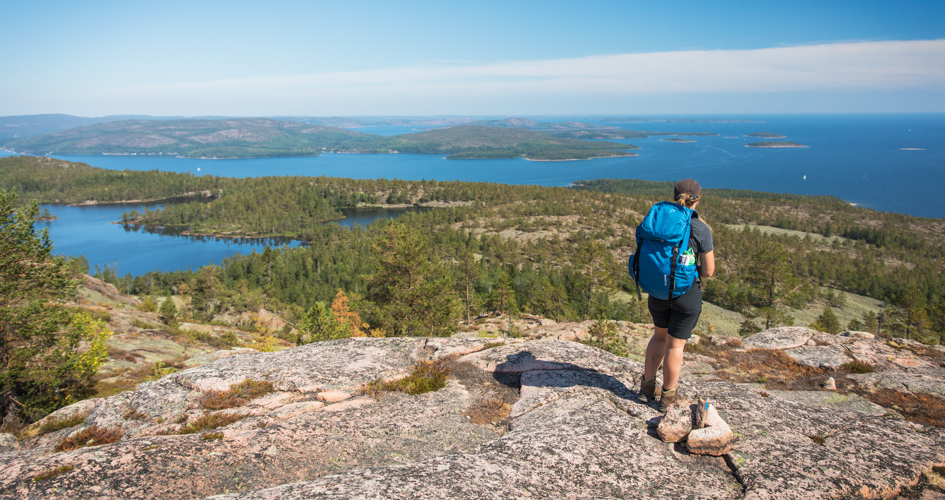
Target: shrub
(148,305)
(168,310)
(209,421)
(603,335)
(236,395)
(212,435)
(90,436)
(55,424)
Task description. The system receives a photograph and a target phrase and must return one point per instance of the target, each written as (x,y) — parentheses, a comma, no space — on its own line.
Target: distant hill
(471,141)
(265,137)
(676,120)
(21,127)
(619,133)
(535,125)
(766,135)
(231,138)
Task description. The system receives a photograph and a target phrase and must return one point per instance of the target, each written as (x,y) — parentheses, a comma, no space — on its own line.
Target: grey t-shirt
(700,240)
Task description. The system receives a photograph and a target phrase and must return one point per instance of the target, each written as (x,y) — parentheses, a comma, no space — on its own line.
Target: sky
(426,58)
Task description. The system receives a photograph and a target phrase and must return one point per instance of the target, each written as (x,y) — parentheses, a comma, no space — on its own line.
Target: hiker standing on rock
(674,249)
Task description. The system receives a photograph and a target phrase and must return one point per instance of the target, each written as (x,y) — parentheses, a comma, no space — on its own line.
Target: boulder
(779,338)
(828,356)
(713,436)
(8,443)
(677,422)
(858,335)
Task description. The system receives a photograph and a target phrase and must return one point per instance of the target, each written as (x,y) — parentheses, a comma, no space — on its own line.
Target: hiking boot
(667,398)
(648,389)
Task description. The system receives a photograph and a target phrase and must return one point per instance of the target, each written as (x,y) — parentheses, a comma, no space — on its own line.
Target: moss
(51,473)
(490,345)
(237,395)
(90,436)
(424,376)
(212,435)
(857,366)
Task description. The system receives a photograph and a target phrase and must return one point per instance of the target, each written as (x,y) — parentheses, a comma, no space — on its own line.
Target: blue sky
(481,58)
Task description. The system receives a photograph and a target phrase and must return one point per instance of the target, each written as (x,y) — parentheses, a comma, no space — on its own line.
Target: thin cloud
(859,66)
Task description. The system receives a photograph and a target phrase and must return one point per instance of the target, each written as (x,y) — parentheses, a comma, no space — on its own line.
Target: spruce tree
(827,321)
(168,310)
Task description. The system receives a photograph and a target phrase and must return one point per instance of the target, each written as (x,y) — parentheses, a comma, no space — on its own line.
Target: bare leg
(672,361)
(655,352)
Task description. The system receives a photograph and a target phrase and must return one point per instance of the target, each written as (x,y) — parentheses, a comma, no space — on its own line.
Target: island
(775,144)
(766,135)
(265,137)
(677,139)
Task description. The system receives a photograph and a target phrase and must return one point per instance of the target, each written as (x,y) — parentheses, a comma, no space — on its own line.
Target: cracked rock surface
(576,430)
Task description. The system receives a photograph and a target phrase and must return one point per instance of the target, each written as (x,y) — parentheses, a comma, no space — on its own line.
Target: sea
(887,162)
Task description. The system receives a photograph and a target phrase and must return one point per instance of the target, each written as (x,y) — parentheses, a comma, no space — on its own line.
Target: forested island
(775,144)
(263,137)
(766,135)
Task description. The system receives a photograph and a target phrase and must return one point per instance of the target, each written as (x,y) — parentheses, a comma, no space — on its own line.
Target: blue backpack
(664,265)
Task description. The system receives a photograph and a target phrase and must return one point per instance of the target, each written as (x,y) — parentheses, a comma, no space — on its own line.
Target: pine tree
(48,353)
(908,317)
(772,284)
(827,322)
(412,295)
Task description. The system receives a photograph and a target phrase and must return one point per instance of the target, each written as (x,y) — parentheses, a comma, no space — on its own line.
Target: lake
(89,231)
(858,158)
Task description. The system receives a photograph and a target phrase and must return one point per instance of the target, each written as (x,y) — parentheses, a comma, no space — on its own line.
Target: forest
(557,252)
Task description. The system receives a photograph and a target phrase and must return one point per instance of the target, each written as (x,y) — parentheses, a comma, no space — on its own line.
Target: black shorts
(682,318)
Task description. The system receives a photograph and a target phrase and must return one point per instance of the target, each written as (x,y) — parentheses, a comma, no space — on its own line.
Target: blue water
(857,158)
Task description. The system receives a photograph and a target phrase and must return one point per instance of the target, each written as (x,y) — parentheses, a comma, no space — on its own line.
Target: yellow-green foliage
(90,436)
(148,305)
(51,473)
(236,395)
(55,424)
(858,367)
(425,376)
(603,335)
(212,435)
(209,421)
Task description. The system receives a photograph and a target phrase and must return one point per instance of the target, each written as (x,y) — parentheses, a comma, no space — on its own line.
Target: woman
(675,320)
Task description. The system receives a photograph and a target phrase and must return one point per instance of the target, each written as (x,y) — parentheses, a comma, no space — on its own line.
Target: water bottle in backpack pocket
(664,265)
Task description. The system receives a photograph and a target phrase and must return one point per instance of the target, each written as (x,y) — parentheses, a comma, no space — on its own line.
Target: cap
(687,186)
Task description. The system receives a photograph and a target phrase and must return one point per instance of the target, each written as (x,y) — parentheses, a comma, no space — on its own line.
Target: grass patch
(857,366)
(51,473)
(490,345)
(424,376)
(90,436)
(924,409)
(134,414)
(212,435)
(237,395)
(144,325)
(764,366)
(209,421)
(488,412)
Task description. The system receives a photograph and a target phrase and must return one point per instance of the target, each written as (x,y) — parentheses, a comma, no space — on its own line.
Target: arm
(708,263)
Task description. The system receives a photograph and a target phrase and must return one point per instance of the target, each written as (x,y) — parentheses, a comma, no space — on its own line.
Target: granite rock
(779,338)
